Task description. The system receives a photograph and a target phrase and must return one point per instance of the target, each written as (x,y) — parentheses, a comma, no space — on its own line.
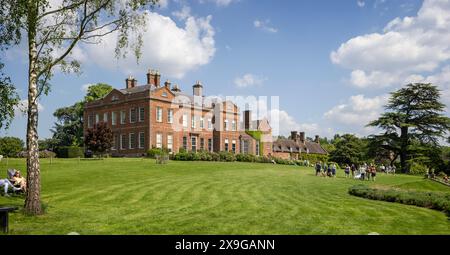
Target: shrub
(246,157)
(70,152)
(437,201)
(227,156)
(152,153)
(263,159)
(417,169)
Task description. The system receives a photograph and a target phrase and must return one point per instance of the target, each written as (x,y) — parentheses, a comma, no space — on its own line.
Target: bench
(4,217)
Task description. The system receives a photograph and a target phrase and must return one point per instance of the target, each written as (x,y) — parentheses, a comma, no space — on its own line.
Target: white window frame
(170,143)
(192,121)
(97,118)
(122,145)
(159,112)
(141,140)
(131,115)
(130,144)
(202,122)
(225,125)
(141,114)
(233,143)
(170,116)
(113,118)
(233,125)
(123,117)
(210,144)
(194,142)
(159,142)
(105,117)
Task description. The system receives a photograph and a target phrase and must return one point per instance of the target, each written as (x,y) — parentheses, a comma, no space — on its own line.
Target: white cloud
(360,3)
(264,25)
(440,79)
(249,80)
(183,14)
(163,3)
(282,124)
(405,49)
(171,49)
(358,111)
(221,3)
(22,107)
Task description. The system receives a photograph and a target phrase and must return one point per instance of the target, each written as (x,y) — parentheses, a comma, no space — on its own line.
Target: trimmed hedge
(436,201)
(70,152)
(229,157)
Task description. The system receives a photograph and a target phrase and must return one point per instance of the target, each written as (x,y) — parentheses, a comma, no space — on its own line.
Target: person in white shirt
(6,184)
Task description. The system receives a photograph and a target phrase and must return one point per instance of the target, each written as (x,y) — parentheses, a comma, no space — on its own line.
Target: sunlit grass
(137,196)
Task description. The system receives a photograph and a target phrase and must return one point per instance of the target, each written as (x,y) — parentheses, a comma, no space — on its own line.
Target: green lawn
(136,196)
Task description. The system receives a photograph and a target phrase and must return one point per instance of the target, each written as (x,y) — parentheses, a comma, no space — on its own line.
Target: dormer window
(164,94)
(114,98)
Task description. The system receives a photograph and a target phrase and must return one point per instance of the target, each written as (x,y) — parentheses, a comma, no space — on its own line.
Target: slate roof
(287,145)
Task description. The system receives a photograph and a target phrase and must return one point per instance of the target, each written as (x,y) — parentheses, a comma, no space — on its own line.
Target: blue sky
(331,62)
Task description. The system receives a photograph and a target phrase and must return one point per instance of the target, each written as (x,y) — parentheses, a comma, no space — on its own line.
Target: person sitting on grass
(20,181)
(446,178)
(6,184)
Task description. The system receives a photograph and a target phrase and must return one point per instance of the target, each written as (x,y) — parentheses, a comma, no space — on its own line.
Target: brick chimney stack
(176,88)
(167,84)
(153,78)
(130,82)
(197,89)
(247,119)
(317,140)
(302,137)
(294,136)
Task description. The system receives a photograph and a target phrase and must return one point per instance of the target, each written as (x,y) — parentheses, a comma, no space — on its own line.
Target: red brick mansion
(153,115)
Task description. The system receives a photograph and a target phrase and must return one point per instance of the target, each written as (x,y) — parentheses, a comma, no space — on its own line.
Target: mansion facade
(156,115)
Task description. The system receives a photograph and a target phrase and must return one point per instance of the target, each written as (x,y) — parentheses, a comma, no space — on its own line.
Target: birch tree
(51,29)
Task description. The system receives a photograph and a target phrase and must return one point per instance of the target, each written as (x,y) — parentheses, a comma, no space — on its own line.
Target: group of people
(362,172)
(325,170)
(16,182)
(365,172)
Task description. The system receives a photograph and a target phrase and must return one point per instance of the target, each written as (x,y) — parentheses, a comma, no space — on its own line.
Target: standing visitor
(382,168)
(318,168)
(333,170)
(374,173)
(353,169)
(362,171)
(393,169)
(347,171)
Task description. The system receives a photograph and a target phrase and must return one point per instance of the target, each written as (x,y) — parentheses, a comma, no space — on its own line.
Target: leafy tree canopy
(413,113)
(10,146)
